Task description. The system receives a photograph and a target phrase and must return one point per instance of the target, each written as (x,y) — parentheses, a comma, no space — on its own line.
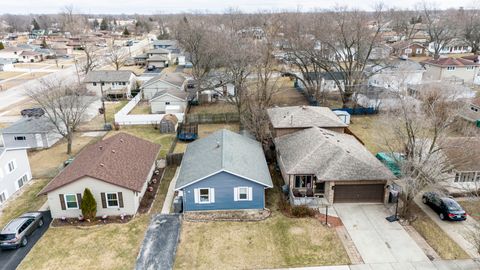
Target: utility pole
(76,68)
(103,105)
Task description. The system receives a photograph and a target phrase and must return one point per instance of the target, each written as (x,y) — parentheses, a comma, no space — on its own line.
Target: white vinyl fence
(123,118)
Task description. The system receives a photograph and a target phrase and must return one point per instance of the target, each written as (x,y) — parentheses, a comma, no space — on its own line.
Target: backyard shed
(168,124)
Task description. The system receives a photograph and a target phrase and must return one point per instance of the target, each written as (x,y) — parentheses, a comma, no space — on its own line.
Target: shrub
(88,205)
(302,211)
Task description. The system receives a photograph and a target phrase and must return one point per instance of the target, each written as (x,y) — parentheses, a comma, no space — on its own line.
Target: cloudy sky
(178,6)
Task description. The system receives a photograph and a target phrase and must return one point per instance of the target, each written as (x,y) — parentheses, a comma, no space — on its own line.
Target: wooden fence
(212,118)
(174,159)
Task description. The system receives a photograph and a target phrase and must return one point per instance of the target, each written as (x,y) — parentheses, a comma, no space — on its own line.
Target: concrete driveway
(376,239)
(457,230)
(10,259)
(160,243)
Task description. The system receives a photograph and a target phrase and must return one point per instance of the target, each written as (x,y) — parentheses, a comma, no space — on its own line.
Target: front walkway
(377,240)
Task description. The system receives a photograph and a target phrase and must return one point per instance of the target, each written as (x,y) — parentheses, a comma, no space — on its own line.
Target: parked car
(150,67)
(33,112)
(15,234)
(445,207)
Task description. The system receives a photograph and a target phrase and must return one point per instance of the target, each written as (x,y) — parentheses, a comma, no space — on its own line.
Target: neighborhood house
(117,171)
(14,171)
(31,133)
(117,83)
(224,171)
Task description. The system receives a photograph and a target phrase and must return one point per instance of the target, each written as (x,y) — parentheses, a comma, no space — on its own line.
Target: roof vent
(113,151)
(121,140)
(101,147)
(102,165)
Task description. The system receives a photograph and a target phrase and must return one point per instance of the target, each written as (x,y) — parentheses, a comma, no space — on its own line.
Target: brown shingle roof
(123,160)
(445,62)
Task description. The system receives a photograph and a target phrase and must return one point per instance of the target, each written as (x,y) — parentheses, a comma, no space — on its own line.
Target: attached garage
(359,193)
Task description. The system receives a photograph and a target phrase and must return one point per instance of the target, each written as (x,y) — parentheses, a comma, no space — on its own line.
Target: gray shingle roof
(174,78)
(30,125)
(158,51)
(303,116)
(329,155)
(224,150)
(165,42)
(174,92)
(108,76)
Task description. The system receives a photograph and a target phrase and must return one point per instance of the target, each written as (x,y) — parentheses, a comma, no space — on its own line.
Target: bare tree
(419,130)
(64,106)
(91,61)
(441,28)
(405,22)
(117,56)
(470,28)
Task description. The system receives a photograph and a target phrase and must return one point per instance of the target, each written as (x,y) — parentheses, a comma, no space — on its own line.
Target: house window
(19,138)
(470,67)
(167,102)
(94,84)
(303,181)
(22,181)
(243,194)
(418,50)
(462,177)
(408,51)
(475,109)
(450,68)
(124,83)
(11,166)
(204,195)
(3,197)
(112,200)
(103,84)
(71,201)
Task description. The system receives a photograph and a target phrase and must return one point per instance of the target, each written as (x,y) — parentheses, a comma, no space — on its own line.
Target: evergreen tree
(95,24)
(44,44)
(88,205)
(125,32)
(1,46)
(35,25)
(104,24)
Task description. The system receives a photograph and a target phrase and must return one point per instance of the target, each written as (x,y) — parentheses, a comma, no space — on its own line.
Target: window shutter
(79,200)
(212,195)
(235,194)
(62,201)
(196,194)
(120,199)
(104,200)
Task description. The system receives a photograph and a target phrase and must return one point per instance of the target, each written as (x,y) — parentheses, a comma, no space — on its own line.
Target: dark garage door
(358,193)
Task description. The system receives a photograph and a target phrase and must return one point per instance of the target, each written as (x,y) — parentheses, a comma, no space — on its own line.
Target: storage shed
(168,124)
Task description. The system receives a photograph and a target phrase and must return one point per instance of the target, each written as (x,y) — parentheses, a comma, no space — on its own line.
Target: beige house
(116,170)
(286,120)
(111,82)
(454,69)
(321,166)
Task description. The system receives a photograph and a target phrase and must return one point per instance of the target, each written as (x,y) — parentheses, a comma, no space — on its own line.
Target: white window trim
(7,167)
(237,194)
(106,200)
(66,203)
(5,192)
(211,195)
(23,182)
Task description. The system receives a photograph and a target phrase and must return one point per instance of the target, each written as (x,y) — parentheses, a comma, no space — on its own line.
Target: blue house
(224,171)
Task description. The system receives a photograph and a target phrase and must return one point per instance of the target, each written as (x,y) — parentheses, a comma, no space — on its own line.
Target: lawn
(217,107)
(287,95)
(9,74)
(472,207)
(437,238)
(149,133)
(368,129)
(48,162)
(141,108)
(278,241)
(206,129)
(98,121)
(26,201)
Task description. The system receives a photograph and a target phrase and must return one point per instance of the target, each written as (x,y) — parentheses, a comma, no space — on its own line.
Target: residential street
(160,243)
(10,259)
(458,231)
(376,239)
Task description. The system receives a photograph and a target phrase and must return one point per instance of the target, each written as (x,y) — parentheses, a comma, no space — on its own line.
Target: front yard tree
(441,27)
(64,105)
(35,25)
(117,56)
(125,32)
(91,61)
(419,129)
(104,24)
(88,205)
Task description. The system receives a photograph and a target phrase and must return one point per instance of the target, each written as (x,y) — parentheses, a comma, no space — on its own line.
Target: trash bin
(178,204)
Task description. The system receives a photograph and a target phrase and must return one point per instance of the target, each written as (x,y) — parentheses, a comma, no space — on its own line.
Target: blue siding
(224,183)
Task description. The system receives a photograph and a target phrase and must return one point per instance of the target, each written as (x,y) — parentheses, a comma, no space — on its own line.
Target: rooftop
(123,160)
(303,116)
(329,155)
(108,76)
(30,125)
(224,150)
(449,61)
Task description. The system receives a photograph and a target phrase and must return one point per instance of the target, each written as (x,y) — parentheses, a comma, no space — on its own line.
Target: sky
(179,6)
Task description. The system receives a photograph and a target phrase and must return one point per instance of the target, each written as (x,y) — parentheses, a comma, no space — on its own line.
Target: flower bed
(60,222)
(151,193)
(239,215)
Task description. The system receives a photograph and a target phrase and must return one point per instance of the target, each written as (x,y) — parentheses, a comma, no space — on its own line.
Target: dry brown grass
(472,207)
(206,129)
(33,75)
(141,108)
(9,74)
(367,128)
(48,162)
(288,95)
(437,238)
(26,200)
(217,107)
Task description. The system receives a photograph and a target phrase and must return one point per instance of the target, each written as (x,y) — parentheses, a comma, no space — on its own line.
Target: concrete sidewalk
(167,204)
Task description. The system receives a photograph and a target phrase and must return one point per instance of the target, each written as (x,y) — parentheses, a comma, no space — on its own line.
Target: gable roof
(303,116)
(158,51)
(165,42)
(123,160)
(402,44)
(30,125)
(158,58)
(449,61)
(108,76)
(175,79)
(329,155)
(172,92)
(227,151)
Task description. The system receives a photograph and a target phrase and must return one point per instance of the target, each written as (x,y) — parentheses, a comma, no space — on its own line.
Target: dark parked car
(445,207)
(15,234)
(33,112)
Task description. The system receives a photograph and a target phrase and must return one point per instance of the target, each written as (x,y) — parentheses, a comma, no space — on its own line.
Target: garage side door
(358,193)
